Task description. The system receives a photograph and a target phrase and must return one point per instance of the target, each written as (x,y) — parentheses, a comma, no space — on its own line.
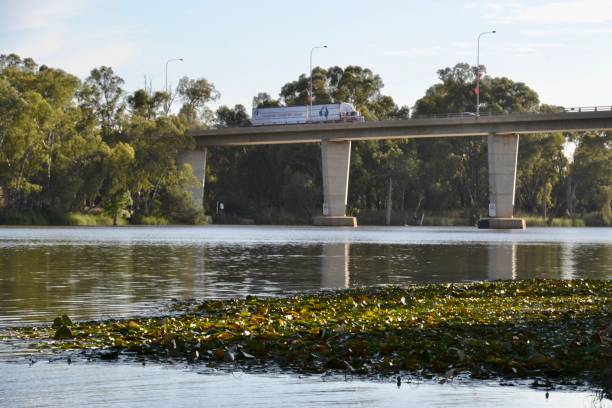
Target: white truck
(292,115)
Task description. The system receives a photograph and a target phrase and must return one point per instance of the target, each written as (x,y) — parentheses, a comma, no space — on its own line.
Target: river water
(93,273)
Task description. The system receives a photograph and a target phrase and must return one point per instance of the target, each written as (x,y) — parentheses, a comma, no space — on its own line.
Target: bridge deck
(403,129)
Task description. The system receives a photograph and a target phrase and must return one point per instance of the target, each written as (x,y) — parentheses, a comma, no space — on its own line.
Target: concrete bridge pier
(197,160)
(503,153)
(335,160)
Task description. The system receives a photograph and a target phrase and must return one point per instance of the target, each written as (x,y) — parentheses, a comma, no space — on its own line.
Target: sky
(560,48)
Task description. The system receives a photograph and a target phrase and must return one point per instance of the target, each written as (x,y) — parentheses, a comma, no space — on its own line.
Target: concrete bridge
(502,132)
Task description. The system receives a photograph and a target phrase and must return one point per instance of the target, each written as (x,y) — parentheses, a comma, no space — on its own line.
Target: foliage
(195,93)
(68,147)
(72,146)
(236,117)
(592,177)
(551,329)
(91,219)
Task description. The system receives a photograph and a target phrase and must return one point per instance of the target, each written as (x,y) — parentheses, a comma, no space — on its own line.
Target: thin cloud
(32,14)
(569,31)
(415,52)
(529,48)
(569,11)
(44,32)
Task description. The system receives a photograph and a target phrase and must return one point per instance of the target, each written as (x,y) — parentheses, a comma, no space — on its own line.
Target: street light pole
(309,112)
(167,62)
(167,103)
(478,71)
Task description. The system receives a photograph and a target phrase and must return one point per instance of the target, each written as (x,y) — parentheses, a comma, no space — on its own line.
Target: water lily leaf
(62,320)
(63,332)
(132,325)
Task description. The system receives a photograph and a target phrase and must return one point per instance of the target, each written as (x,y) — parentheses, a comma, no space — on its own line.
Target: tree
(142,103)
(592,177)
(263,100)
(456,168)
(195,94)
(542,164)
(116,194)
(353,84)
(102,96)
(232,117)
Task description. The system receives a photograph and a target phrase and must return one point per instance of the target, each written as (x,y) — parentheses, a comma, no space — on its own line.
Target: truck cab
(349,114)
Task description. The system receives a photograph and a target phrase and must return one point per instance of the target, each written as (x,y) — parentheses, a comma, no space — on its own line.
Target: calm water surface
(92,273)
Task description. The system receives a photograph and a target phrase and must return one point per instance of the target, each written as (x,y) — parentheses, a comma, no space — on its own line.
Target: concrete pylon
(503,153)
(335,160)
(197,160)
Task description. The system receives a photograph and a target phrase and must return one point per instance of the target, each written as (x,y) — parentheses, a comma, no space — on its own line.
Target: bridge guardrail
(471,114)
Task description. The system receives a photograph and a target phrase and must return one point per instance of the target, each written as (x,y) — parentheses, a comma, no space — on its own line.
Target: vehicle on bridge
(293,115)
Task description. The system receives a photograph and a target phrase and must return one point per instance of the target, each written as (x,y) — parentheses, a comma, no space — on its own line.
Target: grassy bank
(41,217)
(557,330)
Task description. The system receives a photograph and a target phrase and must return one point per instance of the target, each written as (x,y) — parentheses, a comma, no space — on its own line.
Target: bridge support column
(335,160)
(197,160)
(503,153)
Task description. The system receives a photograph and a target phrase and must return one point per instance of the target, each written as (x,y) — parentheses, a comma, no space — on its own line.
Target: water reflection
(335,266)
(501,262)
(152,386)
(97,273)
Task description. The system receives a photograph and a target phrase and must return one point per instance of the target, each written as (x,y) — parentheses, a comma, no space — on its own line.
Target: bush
(17,217)
(596,219)
(152,220)
(74,218)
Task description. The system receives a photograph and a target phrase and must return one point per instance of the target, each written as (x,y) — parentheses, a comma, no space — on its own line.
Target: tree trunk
(389,203)
(569,196)
(545,201)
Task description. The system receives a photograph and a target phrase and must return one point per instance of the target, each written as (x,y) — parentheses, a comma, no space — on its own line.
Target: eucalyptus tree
(103,97)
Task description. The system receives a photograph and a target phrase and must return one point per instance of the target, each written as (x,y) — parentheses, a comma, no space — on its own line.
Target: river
(98,272)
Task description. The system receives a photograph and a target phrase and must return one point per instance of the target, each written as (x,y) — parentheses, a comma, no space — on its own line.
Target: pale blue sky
(561,48)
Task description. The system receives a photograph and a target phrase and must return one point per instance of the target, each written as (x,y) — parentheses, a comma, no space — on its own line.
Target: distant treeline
(76,151)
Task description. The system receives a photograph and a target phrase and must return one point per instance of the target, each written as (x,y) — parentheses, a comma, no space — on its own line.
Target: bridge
(502,132)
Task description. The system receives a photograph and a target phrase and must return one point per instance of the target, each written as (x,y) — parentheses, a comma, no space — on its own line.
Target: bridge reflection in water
(335,265)
(96,279)
(342,264)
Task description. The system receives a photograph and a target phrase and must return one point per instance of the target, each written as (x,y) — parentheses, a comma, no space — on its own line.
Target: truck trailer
(293,115)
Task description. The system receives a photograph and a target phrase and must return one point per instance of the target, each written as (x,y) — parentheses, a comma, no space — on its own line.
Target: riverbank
(366,218)
(549,331)
(407,218)
(99,217)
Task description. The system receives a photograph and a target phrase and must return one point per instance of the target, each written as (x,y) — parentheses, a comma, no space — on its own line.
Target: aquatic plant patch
(553,329)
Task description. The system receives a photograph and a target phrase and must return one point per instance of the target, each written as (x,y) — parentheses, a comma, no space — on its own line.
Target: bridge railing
(505,113)
(590,109)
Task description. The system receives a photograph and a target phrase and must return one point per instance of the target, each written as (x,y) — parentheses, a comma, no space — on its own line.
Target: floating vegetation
(542,329)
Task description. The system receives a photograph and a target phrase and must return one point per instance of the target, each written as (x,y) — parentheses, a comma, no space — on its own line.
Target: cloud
(414,52)
(569,31)
(40,46)
(46,32)
(528,48)
(568,11)
(114,54)
(32,14)
(468,49)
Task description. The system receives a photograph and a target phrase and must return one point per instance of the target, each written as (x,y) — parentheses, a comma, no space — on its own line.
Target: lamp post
(478,71)
(168,102)
(167,62)
(309,113)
